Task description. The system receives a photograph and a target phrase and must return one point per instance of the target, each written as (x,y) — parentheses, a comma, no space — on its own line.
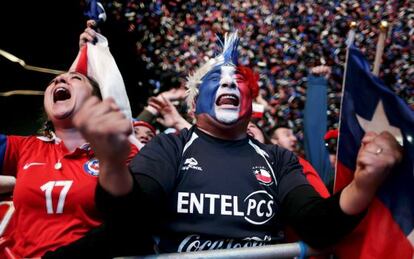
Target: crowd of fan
(281,40)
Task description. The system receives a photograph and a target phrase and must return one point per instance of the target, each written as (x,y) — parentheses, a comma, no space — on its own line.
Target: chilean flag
(263,176)
(368,105)
(96,61)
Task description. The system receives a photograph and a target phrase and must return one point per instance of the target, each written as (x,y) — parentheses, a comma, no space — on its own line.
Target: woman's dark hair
(47,129)
(96,90)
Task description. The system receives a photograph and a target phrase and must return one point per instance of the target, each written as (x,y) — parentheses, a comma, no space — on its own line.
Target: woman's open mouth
(61,94)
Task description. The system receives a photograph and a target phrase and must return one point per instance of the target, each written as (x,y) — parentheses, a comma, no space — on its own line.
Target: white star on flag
(411,238)
(379,123)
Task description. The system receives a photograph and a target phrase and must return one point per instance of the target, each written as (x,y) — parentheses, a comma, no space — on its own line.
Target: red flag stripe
(343,176)
(82,65)
(367,241)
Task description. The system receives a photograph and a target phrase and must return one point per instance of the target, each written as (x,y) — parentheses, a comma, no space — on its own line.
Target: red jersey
(313,178)
(54,196)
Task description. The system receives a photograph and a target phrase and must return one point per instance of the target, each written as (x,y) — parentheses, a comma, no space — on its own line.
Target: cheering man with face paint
(223,93)
(212,186)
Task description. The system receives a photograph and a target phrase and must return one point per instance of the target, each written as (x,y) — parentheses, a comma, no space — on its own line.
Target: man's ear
(195,102)
(191,111)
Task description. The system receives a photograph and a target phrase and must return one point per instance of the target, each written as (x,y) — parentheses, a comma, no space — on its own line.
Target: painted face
(224,95)
(65,94)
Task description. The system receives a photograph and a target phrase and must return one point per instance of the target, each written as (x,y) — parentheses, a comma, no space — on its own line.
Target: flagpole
(380,47)
(21,92)
(22,63)
(349,41)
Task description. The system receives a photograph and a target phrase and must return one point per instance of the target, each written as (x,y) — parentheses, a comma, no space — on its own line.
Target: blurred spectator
(144,131)
(285,138)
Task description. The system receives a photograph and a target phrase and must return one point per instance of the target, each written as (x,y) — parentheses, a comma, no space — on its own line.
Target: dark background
(45,33)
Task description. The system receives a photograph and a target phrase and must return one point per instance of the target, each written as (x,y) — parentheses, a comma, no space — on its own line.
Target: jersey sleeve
(320,222)
(10,147)
(289,172)
(313,178)
(159,159)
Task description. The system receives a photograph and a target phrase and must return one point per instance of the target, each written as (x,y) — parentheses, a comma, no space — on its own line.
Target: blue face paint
(220,88)
(224,83)
(207,92)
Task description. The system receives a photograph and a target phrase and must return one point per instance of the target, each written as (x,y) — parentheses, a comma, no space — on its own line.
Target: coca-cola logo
(194,243)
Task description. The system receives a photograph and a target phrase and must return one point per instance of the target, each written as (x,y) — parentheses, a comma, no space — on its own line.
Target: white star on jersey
(379,123)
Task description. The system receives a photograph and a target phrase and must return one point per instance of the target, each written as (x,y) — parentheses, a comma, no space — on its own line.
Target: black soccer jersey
(221,194)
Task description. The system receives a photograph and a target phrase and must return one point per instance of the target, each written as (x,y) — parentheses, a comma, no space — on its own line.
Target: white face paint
(227,102)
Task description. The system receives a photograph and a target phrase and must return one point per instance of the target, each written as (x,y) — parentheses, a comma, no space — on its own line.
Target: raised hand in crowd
(169,117)
(315,123)
(322,71)
(89,34)
(174,94)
